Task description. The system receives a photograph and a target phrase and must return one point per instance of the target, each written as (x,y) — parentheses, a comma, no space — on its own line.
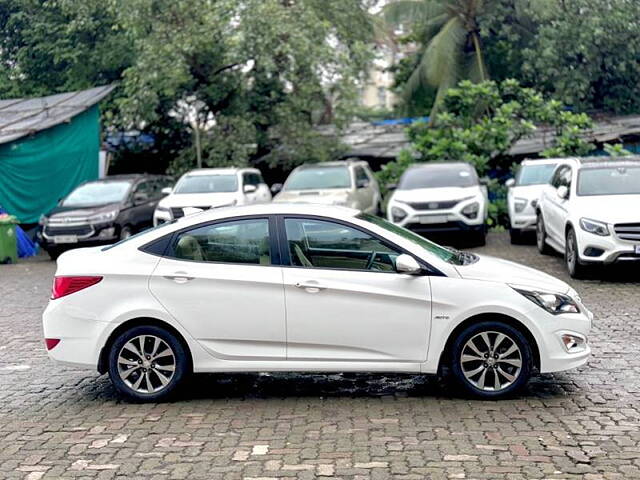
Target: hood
(436,194)
(197,200)
(493,269)
(77,213)
(326,197)
(609,208)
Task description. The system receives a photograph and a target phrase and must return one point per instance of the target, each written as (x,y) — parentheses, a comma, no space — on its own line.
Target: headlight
(398,214)
(520,204)
(594,226)
(471,210)
(42,220)
(103,217)
(554,303)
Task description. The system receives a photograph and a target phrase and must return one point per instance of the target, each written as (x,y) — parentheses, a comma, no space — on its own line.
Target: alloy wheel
(491,361)
(146,364)
(571,251)
(540,234)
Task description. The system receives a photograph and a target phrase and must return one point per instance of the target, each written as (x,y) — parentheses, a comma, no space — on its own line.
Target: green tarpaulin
(36,171)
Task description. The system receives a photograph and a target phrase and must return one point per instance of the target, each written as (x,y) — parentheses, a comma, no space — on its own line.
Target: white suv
(348,183)
(440,198)
(524,192)
(212,188)
(589,211)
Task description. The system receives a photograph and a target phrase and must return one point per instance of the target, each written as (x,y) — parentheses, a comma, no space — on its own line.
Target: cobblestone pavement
(64,423)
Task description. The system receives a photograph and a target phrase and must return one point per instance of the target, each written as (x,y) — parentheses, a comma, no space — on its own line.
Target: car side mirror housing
(276,188)
(408,265)
(139,198)
(392,186)
(510,183)
(250,189)
(166,191)
(362,183)
(484,181)
(563,192)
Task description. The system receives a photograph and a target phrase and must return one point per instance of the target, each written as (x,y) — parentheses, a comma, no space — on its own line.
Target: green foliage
(616,150)
(479,123)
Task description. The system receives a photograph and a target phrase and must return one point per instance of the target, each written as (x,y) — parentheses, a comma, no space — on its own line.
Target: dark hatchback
(101,212)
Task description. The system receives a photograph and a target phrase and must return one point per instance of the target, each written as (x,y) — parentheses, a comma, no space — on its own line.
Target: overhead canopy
(25,116)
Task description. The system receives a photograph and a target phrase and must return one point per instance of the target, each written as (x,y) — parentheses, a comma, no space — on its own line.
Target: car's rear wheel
(515,235)
(541,236)
(571,257)
(491,360)
(147,363)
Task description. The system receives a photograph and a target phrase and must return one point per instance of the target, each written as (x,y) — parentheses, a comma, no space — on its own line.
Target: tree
(449,35)
(479,123)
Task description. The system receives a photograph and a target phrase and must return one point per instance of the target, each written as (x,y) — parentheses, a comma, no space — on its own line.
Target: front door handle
(310,287)
(179,277)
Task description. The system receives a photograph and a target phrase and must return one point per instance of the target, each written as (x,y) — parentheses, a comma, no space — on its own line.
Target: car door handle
(310,287)
(179,278)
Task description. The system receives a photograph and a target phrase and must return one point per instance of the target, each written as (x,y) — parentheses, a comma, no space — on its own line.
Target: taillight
(67,285)
(50,343)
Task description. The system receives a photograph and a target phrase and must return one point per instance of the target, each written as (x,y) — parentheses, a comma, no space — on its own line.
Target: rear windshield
(535,174)
(319,178)
(436,176)
(621,180)
(97,193)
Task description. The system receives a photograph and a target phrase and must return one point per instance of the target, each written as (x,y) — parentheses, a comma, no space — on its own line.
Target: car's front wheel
(491,359)
(147,363)
(541,236)
(571,258)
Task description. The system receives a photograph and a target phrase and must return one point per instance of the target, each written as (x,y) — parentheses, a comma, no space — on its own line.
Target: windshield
(448,255)
(319,178)
(535,174)
(621,180)
(436,176)
(207,184)
(97,193)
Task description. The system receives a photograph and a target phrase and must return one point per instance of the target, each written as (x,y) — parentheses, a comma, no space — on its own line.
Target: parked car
(440,198)
(589,212)
(523,195)
(101,212)
(348,183)
(306,288)
(207,188)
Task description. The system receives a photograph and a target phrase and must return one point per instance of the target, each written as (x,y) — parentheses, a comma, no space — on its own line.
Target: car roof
(335,163)
(600,161)
(219,171)
(131,177)
(541,161)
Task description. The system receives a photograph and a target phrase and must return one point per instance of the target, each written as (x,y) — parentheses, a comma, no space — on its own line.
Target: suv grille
(628,231)
(62,230)
(434,205)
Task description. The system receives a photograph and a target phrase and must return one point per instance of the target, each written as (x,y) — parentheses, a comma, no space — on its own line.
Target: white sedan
(306,288)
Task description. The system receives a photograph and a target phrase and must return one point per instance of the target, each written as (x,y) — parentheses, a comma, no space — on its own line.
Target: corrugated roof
(24,116)
(387,141)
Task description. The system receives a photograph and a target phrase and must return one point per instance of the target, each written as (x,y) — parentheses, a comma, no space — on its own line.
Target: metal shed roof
(24,116)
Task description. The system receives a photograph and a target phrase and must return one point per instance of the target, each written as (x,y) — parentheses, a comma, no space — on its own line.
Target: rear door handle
(310,287)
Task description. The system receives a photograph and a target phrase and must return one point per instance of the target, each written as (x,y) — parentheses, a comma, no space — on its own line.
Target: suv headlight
(520,204)
(398,214)
(471,210)
(554,303)
(103,217)
(162,209)
(594,226)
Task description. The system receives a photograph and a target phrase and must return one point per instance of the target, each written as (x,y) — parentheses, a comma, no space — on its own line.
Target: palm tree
(449,33)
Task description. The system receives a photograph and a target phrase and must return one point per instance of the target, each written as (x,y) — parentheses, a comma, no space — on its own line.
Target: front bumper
(436,221)
(524,222)
(606,250)
(90,235)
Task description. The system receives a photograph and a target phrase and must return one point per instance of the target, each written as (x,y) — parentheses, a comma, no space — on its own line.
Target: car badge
(433,206)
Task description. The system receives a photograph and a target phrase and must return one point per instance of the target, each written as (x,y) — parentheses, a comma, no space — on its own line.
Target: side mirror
(392,186)
(484,181)
(362,183)
(166,191)
(276,188)
(139,198)
(250,189)
(407,264)
(510,183)
(563,192)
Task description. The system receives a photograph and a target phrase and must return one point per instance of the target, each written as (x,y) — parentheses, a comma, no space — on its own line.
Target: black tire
(515,235)
(492,368)
(541,236)
(480,237)
(152,372)
(125,232)
(54,253)
(575,268)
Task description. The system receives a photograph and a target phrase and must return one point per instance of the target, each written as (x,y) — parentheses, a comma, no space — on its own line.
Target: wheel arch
(445,356)
(137,322)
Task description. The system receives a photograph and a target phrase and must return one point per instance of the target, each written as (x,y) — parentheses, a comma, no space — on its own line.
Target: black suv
(101,212)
